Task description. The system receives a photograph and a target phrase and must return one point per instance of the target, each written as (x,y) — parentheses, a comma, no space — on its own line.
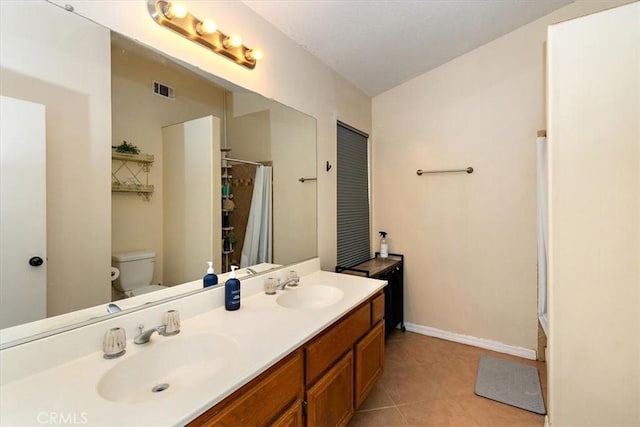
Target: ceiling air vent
(163,90)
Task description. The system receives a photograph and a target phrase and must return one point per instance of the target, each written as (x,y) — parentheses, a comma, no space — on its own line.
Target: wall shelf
(132,188)
(140,158)
(126,178)
(227,194)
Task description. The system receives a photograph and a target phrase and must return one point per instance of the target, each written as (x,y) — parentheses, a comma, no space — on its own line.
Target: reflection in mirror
(97,90)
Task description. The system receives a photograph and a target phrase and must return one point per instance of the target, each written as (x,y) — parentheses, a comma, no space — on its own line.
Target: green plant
(125,147)
(232,237)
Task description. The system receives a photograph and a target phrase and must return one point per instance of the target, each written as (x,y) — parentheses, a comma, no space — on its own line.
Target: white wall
(469,240)
(594,219)
(76,92)
(287,74)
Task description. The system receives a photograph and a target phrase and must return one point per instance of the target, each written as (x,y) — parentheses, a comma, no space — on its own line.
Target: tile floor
(430,382)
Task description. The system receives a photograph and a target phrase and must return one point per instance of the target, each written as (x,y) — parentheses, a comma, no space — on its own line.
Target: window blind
(353,197)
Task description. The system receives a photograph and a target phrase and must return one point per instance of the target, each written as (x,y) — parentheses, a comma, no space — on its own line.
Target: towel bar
(467,170)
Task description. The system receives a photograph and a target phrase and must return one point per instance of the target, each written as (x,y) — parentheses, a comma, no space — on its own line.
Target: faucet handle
(114,343)
(171,321)
(293,278)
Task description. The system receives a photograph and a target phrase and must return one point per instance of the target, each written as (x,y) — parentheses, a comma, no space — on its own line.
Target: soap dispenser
(384,248)
(210,278)
(232,291)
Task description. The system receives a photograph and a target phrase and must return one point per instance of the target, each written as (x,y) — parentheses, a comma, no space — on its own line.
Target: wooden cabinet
(330,400)
(333,372)
(326,349)
(369,355)
(344,363)
(262,400)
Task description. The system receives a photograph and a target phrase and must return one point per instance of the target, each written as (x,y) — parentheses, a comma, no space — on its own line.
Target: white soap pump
(384,248)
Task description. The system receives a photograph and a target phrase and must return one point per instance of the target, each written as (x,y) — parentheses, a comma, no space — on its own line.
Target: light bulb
(175,10)
(234,40)
(206,27)
(255,54)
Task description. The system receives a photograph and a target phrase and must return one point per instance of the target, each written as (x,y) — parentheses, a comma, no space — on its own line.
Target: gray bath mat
(510,382)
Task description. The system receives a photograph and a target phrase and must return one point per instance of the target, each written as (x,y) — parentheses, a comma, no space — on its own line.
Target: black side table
(390,269)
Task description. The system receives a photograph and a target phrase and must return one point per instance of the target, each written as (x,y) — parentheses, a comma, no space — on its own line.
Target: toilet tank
(136,269)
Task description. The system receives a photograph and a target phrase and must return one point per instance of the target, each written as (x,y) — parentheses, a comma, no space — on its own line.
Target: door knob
(35,261)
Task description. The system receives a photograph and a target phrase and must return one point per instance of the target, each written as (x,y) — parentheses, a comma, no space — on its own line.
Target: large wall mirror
(97,89)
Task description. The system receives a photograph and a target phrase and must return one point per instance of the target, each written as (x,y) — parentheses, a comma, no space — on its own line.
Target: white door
(191,199)
(23,220)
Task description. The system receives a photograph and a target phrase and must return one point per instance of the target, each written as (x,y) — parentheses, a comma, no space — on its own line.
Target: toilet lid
(146,289)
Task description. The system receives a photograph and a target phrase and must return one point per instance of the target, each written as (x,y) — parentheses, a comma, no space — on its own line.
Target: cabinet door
(292,417)
(369,362)
(330,400)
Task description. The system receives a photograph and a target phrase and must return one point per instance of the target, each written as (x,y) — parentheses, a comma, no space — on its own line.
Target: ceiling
(379,44)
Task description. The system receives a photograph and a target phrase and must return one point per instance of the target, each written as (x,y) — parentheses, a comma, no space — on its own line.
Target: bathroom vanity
(325,379)
(308,355)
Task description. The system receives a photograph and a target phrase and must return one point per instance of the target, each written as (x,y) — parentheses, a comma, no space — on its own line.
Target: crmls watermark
(62,418)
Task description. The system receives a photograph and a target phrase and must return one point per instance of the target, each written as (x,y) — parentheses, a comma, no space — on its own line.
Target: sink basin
(310,297)
(169,365)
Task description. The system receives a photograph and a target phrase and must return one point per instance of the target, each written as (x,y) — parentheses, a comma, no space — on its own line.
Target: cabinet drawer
(260,401)
(377,309)
(327,348)
(292,417)
(369,362)
(330,400)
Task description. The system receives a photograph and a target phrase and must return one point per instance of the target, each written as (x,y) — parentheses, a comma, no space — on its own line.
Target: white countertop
(263,331)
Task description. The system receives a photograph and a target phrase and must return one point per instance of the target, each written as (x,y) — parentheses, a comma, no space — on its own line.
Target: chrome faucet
(171,327)
(144,337)
(292,279)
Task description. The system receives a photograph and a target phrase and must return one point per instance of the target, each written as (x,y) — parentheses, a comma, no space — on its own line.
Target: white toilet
(136,272)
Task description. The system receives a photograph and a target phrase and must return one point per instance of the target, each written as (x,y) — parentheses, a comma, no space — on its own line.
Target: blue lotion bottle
(232,291)
(210,279)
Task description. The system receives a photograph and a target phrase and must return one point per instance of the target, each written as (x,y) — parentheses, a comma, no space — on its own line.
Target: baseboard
(474,341)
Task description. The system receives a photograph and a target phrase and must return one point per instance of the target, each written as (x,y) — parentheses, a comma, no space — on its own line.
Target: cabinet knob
(35,261)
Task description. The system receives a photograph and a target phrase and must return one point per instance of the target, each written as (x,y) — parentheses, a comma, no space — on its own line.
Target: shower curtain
(541,143)
(259,234)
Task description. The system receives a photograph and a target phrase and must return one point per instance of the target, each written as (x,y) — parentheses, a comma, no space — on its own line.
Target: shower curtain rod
(243,161)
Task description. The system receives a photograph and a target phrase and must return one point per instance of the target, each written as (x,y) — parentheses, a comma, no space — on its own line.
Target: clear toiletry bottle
(384,248)
(232,291)
(210,278)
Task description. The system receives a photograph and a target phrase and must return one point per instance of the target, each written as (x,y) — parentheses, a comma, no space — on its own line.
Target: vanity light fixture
(174,15)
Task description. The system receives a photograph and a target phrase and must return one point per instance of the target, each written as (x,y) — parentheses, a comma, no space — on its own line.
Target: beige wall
(594,219)
(76,93)
(470,240)
(138,117)
(287,74)
(294,203)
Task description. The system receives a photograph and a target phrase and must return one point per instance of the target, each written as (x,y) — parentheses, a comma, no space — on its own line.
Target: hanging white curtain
(541,143)
(259,234)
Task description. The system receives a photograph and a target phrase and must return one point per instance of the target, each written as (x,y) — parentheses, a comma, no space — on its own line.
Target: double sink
(170,366)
